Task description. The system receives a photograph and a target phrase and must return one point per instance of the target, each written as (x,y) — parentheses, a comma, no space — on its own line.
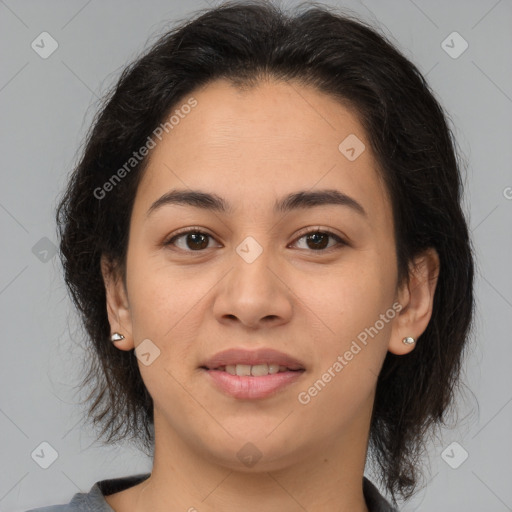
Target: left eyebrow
(295,201)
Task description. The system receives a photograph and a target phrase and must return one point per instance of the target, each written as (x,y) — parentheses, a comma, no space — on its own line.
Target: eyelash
(199,231)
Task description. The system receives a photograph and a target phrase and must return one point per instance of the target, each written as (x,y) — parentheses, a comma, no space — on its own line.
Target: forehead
(251,146)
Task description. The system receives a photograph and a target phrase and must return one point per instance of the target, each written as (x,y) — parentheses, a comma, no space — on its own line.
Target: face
(255,276)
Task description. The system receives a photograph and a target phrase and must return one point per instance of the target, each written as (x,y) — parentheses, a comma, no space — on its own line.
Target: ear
(416,297)
(118,308)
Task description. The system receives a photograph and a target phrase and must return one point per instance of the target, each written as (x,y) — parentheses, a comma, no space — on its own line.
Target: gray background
(47,105)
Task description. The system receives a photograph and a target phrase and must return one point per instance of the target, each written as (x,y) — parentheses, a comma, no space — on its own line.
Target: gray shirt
(94,500)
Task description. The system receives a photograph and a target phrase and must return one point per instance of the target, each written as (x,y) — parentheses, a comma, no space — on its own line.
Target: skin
(252,147)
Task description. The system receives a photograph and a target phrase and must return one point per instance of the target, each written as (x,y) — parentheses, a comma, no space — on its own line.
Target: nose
(254,294)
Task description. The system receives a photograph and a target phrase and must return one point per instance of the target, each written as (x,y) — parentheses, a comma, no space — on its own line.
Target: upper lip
(252,357)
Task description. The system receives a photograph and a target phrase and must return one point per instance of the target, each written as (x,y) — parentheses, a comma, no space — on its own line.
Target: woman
(265,241)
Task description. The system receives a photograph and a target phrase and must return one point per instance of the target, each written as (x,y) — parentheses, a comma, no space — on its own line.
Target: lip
(251,387)
(252,357)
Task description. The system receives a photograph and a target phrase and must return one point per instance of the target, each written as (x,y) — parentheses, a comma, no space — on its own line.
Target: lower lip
(252,387)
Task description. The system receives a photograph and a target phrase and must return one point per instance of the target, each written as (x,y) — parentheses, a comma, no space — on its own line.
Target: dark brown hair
(414,147)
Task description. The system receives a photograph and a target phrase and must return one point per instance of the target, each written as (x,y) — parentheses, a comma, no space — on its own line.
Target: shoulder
(52,508)
(81,502)
(94,500)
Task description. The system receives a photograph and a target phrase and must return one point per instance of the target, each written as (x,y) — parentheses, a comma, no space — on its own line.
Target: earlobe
(416,297)
(118,310)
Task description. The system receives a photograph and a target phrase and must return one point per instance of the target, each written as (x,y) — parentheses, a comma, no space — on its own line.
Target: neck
(324,476)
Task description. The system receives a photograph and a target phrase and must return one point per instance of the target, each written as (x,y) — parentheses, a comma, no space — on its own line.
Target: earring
(408,340)
(116,337)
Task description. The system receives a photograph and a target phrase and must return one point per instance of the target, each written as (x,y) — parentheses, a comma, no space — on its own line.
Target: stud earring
(116,337)
(408,340)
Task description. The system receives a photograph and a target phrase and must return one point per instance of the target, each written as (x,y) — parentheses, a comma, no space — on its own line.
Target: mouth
(259,374)
(243,362)
(256,370)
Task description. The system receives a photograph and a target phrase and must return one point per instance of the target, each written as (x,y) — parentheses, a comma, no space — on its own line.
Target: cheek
(349,349)
(347,297)
(159,296)
(355,308)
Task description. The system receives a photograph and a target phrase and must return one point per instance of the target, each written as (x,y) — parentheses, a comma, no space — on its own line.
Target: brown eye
(319,240)
(193,241)
(197,240)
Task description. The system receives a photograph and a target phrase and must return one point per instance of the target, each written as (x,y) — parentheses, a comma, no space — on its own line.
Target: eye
(318,240)
(193,240)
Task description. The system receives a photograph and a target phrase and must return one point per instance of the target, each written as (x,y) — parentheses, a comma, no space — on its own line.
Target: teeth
(243,370)
(231,369)
(274,368)
(257,370)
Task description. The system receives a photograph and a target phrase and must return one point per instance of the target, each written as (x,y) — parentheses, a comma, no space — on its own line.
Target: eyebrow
(294,201)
